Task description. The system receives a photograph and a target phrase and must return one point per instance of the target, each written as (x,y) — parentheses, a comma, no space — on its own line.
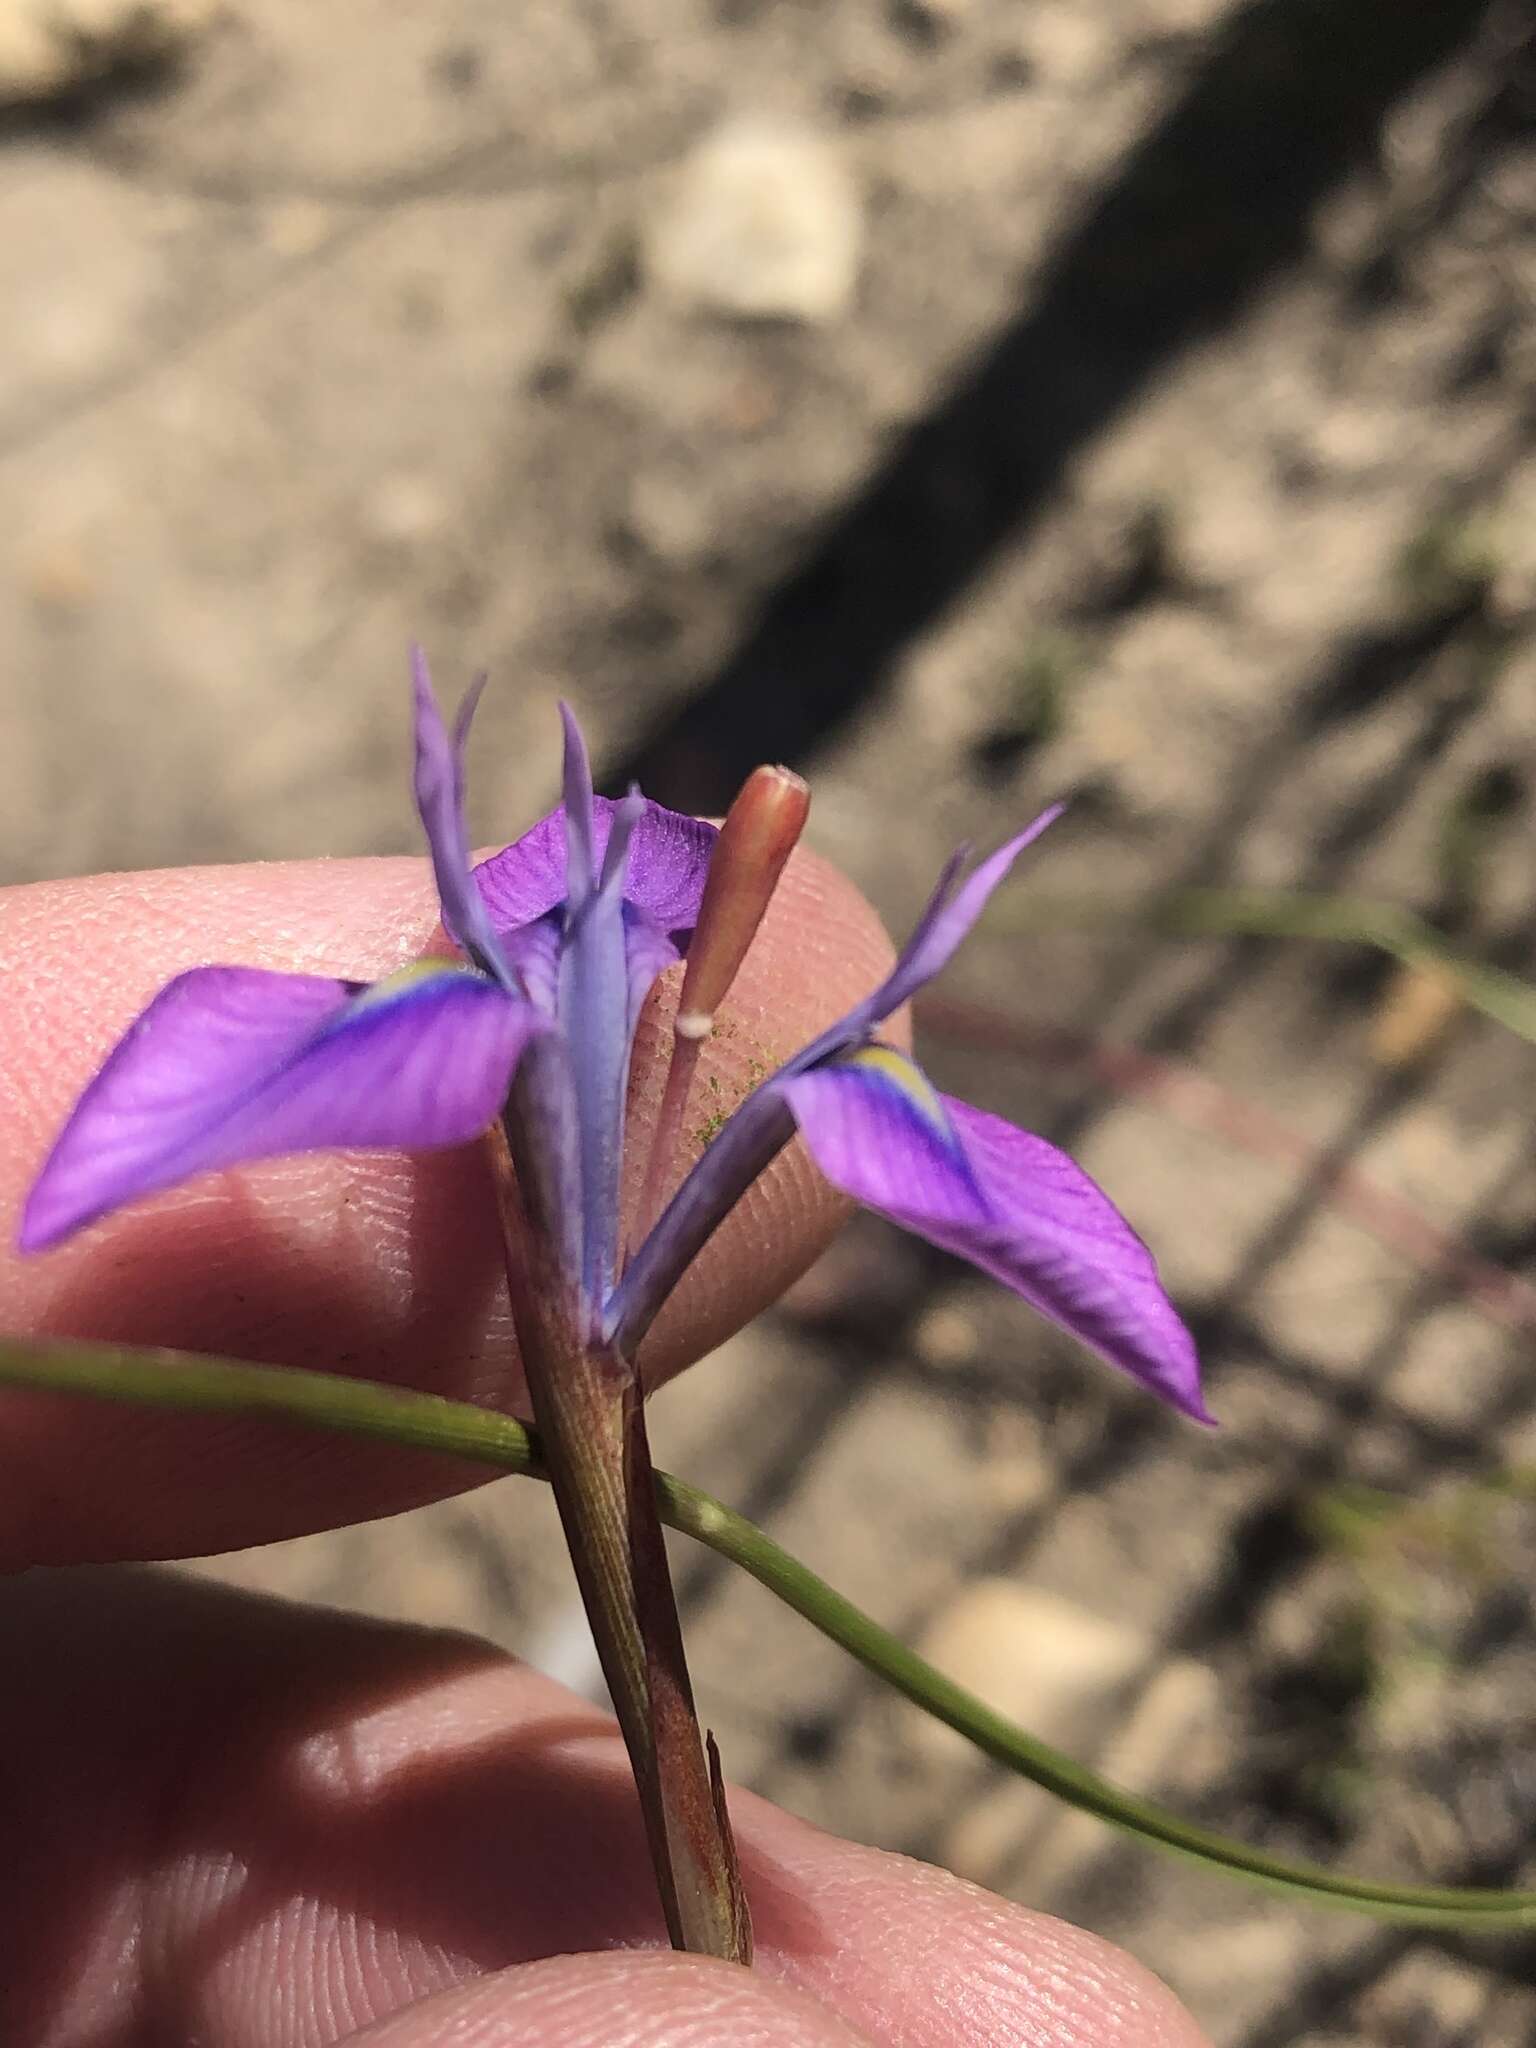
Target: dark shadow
(482,1839)
(111,73)
(1287,101)
(1373,666)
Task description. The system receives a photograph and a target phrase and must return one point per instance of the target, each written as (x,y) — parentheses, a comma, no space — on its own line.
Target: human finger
(234,1820)
(627,2000)
(385,1266)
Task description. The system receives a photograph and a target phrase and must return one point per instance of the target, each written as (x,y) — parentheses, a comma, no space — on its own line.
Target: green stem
(689,1791)
(177,1380)
(734,1537)
(583,1401)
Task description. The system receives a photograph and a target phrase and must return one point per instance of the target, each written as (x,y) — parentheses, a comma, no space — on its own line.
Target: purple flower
(562,936)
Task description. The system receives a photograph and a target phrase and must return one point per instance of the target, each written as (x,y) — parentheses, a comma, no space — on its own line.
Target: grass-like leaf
(200,1385)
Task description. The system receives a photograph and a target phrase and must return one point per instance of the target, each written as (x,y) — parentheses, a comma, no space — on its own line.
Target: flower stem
(586,1407)
(760,832)
(690,1790)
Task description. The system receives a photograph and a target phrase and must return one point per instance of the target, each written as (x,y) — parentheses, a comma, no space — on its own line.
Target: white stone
(1018,1834)
(763,220)
(1047,1663)
(946,1337)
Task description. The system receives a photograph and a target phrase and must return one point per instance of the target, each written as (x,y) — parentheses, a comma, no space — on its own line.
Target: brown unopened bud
(759,834)
(757,838)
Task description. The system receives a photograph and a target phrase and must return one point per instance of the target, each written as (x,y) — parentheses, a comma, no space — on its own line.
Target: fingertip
(946,1962)
(620,2000)
(374,1816)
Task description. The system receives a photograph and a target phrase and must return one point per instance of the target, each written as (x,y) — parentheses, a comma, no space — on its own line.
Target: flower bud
(760,832)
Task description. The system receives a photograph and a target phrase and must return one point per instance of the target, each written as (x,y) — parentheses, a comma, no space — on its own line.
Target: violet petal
(668,861)
(230,1064)
(952,911)
(1007,1201)
(534,952)
(439,784)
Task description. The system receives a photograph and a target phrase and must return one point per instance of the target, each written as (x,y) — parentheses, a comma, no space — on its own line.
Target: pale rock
(51,46)
(403,510)
(296,228)
(58,578)
(991,1840)
(1015,1473)
(762,221)
(1047,1663)
(946,1338)
(1070,45)
(1019,1838)
(1418,1008)
(671,516)
(1175,1723)
(1358,441)
(1427,1997)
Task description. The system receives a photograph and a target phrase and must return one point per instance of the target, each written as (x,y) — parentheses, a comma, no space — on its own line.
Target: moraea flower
(560,938)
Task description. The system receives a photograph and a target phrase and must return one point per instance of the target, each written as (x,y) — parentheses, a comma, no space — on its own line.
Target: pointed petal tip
(431,728)
(428,730)
(59,1204)
(38,1231)
(1180,1388)
(421,678)
(579,809)
(997,864)
(469,703)
(438,782)
(957,901)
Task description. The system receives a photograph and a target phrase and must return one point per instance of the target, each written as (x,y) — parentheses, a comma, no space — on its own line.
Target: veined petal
(534,950)
(668,861)
(440,802)
(230,1064)
(951,911)
(1007,1201)
(669,855)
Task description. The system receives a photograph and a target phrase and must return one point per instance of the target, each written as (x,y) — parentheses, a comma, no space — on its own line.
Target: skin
(255,1826)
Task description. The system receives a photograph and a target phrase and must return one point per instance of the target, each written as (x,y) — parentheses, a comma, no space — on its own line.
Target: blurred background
(966,401)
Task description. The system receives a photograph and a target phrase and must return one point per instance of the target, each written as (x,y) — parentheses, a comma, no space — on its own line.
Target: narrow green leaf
(685,1508)
(203,1385)
(169,1379)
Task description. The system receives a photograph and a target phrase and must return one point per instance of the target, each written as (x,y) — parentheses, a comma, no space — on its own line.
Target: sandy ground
(1129,399)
